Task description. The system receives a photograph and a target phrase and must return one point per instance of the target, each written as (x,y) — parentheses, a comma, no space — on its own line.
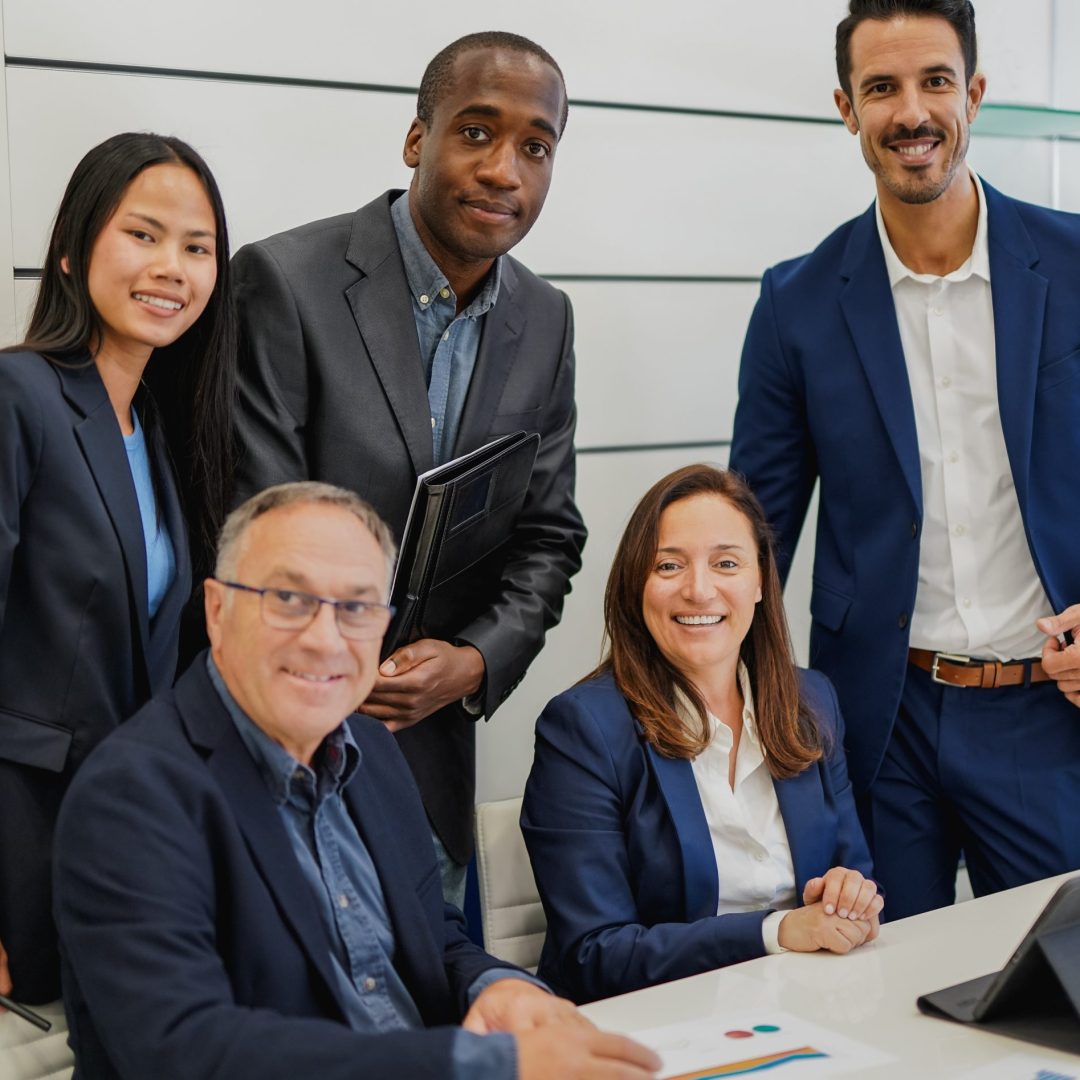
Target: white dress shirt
(750,844)
(978,592)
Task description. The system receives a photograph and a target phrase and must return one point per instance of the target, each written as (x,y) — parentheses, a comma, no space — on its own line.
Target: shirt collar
(335,762)
(978,262)
(424,276)
(688,714)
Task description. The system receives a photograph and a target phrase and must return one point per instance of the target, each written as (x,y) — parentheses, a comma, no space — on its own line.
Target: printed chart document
(770,1042)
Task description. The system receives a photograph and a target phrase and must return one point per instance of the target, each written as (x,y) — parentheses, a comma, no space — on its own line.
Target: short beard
(918,191)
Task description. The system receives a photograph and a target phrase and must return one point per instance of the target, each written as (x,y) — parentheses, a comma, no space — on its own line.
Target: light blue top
(448,342)
(160,556)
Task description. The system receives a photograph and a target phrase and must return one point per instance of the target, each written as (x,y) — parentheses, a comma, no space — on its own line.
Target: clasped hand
(840,912)
(421,678)
(1062,662)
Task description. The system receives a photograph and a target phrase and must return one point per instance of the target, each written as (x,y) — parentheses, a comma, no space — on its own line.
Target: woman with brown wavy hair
(689,805)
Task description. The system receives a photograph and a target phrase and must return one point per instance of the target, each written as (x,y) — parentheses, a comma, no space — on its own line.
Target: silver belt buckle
(954,658)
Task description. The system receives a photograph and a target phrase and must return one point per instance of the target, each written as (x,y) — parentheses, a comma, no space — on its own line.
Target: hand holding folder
(462,512)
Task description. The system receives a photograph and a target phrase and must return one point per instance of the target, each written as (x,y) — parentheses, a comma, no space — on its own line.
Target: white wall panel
(25,294)
(637,51)
(1022,168)
(1069,166)
(632,193)
(657,362)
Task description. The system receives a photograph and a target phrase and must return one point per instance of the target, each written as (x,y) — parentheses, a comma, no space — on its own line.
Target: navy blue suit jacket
(622,854)
(191,945)
(78,650)
(824,395)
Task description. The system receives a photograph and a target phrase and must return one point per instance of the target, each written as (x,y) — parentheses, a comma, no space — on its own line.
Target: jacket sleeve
(771,444)
(272,388)
(135,907)
(580,811)
(545,551)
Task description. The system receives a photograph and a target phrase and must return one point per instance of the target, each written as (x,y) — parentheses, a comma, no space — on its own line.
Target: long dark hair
(648,680)
(191,381)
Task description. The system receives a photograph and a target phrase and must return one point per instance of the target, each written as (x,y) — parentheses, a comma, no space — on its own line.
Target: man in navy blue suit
(246,883)
(923,365)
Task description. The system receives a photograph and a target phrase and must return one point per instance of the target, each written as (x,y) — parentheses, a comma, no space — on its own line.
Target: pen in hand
(27,1014)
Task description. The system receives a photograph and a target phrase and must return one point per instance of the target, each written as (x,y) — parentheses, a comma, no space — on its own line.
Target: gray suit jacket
(332,388)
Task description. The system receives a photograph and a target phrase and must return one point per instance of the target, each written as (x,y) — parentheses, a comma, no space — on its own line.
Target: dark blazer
(824,395)
(332,388)
(191,946)
(622,854)
(78,651)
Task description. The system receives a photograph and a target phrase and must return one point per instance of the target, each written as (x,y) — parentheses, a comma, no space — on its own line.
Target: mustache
(903,134)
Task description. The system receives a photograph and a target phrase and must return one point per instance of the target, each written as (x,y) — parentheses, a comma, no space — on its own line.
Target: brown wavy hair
(785,724)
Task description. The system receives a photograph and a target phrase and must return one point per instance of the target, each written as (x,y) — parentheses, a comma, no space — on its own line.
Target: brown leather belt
(985,674)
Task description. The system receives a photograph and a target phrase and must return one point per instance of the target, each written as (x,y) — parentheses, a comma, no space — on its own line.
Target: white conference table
(868,995)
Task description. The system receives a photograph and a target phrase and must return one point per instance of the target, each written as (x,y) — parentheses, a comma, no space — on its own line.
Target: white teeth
(158,301)
(915,151)
(311,678)
(699,620)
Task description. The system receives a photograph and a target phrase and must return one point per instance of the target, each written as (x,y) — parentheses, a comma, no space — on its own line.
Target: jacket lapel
(381,307)
(867,303)
(675,778)
(500,340)
(802,806)
(1019,309)
(211,728)
(164,627)
(102,445)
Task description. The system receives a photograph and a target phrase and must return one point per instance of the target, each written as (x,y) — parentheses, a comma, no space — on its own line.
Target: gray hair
(302,491)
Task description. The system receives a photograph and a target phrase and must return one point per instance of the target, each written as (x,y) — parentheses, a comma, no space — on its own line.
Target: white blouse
(750,844)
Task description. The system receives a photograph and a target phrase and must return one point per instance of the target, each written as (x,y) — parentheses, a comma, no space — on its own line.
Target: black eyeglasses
(288,609)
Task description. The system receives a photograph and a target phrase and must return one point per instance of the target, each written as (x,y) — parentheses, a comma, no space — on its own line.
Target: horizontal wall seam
(31,273)
(644,448)
(381,88)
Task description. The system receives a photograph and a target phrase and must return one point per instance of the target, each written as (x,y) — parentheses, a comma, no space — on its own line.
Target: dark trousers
(992,773)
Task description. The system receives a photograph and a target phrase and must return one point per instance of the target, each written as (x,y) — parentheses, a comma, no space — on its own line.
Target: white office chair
(513,919)
(27,1053)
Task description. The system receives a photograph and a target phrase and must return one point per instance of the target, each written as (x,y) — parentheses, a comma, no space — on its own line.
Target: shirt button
(369,985)
(959,530)
(759,856)
(433,423)
(945,381)
(938,311)
(343,901)
(954,457)
(444,293)
(966,602)
(424,298)
(446,335)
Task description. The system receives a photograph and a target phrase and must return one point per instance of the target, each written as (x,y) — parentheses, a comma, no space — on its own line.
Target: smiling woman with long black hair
(114,427)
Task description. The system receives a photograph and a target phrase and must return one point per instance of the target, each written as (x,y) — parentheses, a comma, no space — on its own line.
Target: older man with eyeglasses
(245,879)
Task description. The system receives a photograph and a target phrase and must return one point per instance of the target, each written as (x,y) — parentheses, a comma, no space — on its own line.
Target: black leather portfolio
(461,512)
(1036,996)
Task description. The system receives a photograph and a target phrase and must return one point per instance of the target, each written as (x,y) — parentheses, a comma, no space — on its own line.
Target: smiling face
(911,105)
(298,686)
(700,596)
(483,164)
(152,267)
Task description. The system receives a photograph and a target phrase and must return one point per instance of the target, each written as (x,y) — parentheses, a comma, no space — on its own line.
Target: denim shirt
(448,343)
(335,863)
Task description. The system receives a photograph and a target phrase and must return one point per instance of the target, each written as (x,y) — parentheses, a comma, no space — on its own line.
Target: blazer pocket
(1058,371)
(828,607)
(506,423)
(29,741)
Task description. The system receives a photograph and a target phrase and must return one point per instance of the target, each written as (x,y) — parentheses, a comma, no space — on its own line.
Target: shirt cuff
(474,704)
(770,933)
(483,1057)
(493,975)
